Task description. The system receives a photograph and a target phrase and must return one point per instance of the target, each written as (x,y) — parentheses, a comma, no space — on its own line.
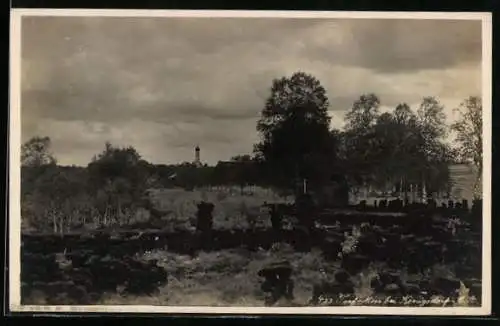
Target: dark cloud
(166,84)
(402,46)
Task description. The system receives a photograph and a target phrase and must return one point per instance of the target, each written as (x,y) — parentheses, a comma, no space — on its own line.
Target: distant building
(463,177)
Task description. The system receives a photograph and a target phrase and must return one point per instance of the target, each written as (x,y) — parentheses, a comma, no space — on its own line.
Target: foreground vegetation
(229,278)
(438,259)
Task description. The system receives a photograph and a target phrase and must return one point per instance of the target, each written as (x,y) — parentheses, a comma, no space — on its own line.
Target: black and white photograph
(250,162)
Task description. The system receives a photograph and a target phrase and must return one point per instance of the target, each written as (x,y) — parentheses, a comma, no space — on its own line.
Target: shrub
(362,282)
(350,241)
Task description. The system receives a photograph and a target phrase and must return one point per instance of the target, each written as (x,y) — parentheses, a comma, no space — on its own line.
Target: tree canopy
(469,135)
(295,131)
(399,147)
(37,152)
(118,176)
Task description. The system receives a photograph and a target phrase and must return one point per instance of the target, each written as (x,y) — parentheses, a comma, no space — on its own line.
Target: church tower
(197,160)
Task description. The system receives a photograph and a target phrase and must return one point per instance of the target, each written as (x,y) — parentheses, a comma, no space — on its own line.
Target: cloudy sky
(164,85)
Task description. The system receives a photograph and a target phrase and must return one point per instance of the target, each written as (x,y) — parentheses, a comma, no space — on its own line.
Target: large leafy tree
(363,114)
(431,121)
(119,178)
(296,142)
(469,136)
(434,151)
(359,139)
(37,152)
(392,144)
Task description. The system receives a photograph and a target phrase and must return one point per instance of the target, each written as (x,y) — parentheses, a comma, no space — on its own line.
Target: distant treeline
(113,187)
(239,171)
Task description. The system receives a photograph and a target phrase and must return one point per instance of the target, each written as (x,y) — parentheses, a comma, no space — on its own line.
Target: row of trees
(402,147)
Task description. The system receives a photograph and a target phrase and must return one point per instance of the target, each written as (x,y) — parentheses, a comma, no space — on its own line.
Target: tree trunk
(105,217)
(54,220)
(424,193)
(477,192)
(71,219)
(119,213)
(61,225)
(97,217)
(403,191)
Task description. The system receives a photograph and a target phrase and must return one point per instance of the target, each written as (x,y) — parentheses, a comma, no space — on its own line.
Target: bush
(62,199)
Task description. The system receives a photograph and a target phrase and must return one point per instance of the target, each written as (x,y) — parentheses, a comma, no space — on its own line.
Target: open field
(398,259)
(231,210)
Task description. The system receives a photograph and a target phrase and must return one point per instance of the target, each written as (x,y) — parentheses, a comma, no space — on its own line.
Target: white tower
(197,161)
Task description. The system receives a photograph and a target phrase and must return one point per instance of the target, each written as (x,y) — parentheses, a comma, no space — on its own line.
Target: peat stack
(277,281)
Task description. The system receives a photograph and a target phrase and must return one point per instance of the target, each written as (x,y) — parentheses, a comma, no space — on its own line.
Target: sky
(165,85)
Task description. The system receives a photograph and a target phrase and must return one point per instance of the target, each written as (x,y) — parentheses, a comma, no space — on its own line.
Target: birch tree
(469,136)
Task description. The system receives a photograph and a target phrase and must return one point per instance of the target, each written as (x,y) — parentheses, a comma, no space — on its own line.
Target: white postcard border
(15,145)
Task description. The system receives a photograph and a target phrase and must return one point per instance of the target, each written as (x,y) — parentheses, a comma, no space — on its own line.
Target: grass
(229,278)
(232,210)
